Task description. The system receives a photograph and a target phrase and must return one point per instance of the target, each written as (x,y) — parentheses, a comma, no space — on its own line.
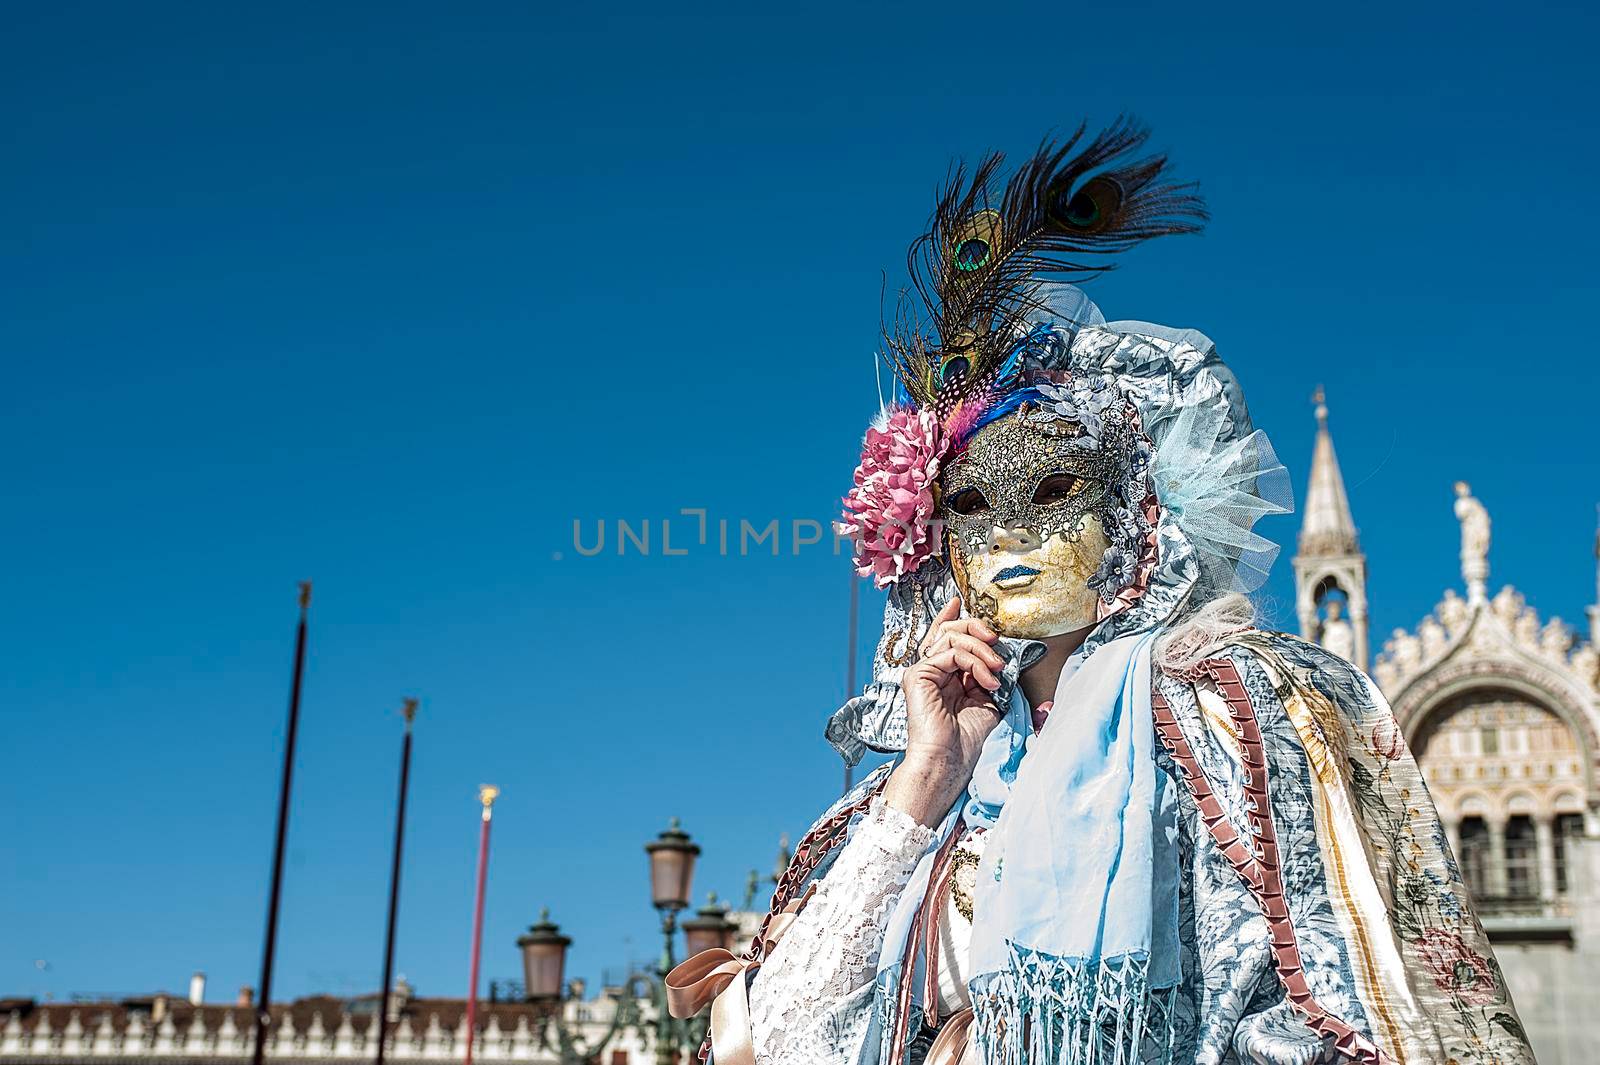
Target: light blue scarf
(1074,945)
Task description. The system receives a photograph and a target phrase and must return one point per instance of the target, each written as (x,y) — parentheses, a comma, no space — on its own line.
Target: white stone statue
(1407,650)
(1555,639)
(1337,636)
(1434,638)
(1526,630)
(1474,542)
(1586,663)
(1453,612)
(1507,605)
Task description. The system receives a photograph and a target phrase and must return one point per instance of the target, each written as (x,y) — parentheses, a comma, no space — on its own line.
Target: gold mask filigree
(1024,508)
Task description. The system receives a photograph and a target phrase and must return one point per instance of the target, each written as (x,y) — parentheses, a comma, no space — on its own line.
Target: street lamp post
(709,928)
(544,957)
(672,855)
(544,953)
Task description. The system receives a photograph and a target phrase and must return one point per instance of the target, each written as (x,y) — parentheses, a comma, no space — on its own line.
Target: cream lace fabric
(804,1000)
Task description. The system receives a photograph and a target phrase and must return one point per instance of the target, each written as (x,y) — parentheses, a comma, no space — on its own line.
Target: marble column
(1497,860)
(1358,621)
(1545,833)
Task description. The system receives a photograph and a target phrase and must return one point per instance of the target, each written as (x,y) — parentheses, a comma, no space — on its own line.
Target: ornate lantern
(544,959)
(672,858)
(709,928)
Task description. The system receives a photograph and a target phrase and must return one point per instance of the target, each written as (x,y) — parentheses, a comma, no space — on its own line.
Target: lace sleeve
(828,958)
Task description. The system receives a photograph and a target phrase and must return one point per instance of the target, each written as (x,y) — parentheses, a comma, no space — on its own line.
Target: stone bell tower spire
(1330,571)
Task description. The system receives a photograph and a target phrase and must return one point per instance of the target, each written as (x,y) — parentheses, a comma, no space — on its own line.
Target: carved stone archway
(1441,689)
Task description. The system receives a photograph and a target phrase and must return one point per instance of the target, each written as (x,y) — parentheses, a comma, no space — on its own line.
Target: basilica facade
(1502,711)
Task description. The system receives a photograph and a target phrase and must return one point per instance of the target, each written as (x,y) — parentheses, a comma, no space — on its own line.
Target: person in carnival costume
(1125,826)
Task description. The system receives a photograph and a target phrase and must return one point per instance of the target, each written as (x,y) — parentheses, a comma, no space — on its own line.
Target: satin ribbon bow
(722,978)
(953,1045)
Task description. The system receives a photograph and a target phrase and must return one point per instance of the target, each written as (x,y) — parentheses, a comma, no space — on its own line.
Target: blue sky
(385,296)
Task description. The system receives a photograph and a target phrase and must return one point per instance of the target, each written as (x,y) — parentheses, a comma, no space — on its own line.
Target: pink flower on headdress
(1456,968)
(889,513)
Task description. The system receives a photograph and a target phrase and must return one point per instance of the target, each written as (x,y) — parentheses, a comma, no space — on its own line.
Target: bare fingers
(959,659)
(970,632)
(973,646)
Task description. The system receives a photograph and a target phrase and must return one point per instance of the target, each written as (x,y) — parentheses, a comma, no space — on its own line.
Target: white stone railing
(77,1040)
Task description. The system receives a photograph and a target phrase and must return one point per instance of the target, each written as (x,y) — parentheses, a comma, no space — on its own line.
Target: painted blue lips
(1015,571)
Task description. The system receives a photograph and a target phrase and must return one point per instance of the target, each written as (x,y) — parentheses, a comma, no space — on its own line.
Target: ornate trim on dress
(1072,1011)
(1256,859)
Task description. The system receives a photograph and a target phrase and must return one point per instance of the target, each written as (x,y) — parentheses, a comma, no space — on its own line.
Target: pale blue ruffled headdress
(1213,474)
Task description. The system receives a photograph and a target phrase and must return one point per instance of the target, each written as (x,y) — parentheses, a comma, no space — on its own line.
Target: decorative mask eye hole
(968,501)
(1057,488)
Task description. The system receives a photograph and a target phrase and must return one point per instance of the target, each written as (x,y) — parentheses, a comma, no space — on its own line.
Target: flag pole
(275,895)
(850,659)
(486,795)
(409,710)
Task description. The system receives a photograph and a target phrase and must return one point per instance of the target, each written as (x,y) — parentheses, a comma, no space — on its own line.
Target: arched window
(1474,857)
(1568,827)
(1522,858)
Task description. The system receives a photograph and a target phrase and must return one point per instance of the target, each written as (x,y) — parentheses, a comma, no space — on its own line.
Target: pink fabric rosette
(889,514)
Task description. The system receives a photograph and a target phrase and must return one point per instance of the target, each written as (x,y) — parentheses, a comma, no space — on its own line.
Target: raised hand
(950,710)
